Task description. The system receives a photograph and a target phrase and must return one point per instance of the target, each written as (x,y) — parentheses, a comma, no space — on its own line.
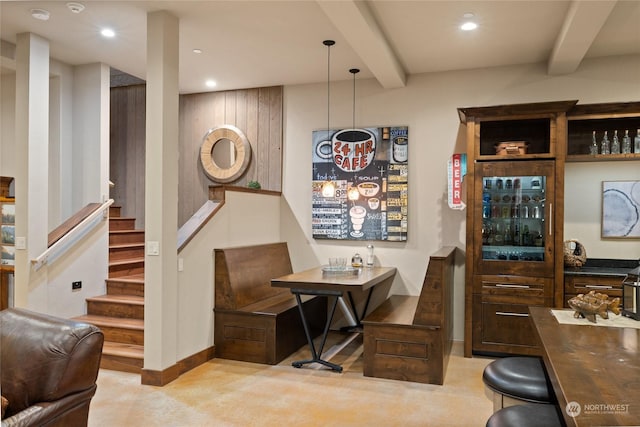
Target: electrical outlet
(75,286)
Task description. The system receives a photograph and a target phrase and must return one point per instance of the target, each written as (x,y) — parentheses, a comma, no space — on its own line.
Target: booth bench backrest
(435,302)
(243,274)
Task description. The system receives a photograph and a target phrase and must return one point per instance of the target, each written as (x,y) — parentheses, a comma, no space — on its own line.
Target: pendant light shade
(328,186)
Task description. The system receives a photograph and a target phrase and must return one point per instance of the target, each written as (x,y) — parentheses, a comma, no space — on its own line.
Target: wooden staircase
(120,313)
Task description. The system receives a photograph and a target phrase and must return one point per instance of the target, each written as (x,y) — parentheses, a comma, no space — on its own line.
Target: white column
(161,192)
(32,159)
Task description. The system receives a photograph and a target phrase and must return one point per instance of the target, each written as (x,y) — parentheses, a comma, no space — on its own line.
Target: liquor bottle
(615,145)
(604,144)
(508,237)
(593,149)
(636,142)
(626,142)
(526,236)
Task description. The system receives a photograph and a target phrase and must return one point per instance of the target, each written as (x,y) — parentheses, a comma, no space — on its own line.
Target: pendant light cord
(328,44)
(354,71)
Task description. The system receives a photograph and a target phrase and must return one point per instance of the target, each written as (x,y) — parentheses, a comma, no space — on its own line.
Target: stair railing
(74,235)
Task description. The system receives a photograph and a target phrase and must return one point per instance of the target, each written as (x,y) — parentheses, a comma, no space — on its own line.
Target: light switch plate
(153,248)
(21,243)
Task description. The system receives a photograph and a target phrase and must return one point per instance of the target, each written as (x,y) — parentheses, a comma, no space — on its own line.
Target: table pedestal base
(316,355)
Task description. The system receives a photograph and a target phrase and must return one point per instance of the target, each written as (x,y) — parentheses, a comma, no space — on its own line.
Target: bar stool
(517,380)
(529,415)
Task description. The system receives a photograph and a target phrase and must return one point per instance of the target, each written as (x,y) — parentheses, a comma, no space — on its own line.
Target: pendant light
(328,186)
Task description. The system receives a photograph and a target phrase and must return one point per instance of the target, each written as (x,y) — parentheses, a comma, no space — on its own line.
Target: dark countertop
(603,267)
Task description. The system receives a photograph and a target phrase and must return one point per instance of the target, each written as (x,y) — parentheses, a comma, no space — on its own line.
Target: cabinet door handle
(598,286)
(550,219)
(505,285)
(507,313)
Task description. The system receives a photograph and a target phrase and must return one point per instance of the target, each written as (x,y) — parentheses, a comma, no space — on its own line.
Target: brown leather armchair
(49,368)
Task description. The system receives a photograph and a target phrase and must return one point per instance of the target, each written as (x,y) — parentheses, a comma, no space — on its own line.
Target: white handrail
(73,236)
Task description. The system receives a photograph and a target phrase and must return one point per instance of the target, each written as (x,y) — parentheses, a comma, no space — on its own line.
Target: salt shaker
(369,255)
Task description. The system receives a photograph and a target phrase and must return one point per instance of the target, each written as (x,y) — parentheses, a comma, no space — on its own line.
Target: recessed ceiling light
(211,83)
(197,50)
(41,14)
(468,26)
(75,7)
(108,32)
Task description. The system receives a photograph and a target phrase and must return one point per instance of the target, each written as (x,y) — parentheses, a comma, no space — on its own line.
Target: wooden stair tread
(133,278)
(123,350)
(126,245)
(126,261)
(113,322)
(122,299)
(127,218)
(134,230)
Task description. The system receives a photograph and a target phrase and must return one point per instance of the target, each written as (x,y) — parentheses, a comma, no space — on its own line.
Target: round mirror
(225,153)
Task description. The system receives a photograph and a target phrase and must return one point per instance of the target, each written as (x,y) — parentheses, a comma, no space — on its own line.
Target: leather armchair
(49,368)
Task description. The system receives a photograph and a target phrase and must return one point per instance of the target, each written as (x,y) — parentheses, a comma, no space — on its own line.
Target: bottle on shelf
(615,144)
(636,142)
(508,237)
(626,142)
(593,149)
(526,236)
(604,144)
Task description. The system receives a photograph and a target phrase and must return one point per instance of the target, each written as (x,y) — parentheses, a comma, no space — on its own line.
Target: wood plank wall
(256,112)
(127,150)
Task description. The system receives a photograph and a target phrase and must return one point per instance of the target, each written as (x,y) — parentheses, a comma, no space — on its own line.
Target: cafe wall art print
(621,209)
(367,171)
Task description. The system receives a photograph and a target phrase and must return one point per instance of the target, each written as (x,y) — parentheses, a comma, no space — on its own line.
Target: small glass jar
(356,261)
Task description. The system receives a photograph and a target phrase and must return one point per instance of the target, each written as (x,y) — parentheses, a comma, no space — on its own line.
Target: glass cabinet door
(516,208)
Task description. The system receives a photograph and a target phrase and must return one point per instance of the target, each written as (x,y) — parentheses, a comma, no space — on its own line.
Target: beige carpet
(230,393)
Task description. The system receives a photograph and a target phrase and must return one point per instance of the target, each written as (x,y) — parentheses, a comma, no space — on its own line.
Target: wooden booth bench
(255,322)
(409,337)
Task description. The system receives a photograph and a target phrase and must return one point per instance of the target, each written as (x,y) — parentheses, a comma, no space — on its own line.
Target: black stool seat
(528,415)
(522,378)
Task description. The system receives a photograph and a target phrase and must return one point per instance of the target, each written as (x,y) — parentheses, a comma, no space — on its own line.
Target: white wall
(49,289)
(245,219)
(428,106)
(7,124)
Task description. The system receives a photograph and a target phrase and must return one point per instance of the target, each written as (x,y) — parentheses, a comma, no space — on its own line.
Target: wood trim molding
(164,377)
(217,192)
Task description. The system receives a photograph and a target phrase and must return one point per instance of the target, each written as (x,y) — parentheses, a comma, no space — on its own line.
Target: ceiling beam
(583,22)
(358,26)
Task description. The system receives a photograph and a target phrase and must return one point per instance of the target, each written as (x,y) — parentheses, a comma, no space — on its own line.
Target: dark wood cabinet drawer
(514,289)
(582,284)
(503,328)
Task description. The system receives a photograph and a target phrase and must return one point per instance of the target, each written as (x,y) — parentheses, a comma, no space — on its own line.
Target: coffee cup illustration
(353,149)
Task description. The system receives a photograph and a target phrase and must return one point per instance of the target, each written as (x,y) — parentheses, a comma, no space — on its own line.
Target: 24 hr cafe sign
(372,163)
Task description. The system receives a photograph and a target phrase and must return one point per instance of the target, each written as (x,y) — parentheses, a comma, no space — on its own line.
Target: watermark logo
(573,409)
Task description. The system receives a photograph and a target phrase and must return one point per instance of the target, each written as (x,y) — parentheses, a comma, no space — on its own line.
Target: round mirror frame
(243,153)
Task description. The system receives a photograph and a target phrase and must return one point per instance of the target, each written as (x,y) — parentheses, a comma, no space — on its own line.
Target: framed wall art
(621,209)
(367,171)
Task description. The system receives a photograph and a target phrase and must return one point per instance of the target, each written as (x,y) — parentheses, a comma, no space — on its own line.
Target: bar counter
(594,370)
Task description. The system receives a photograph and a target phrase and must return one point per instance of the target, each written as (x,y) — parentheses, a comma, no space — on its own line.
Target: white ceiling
(265,43)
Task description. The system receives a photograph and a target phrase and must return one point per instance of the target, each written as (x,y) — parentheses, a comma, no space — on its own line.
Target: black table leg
(316,355)
(358,325)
